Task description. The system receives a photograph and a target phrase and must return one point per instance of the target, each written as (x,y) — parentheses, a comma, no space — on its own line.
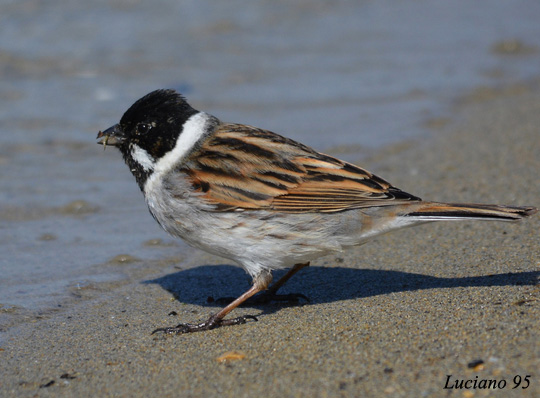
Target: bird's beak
(113,136)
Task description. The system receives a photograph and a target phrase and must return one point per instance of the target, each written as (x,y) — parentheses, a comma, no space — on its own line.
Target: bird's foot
(211,323)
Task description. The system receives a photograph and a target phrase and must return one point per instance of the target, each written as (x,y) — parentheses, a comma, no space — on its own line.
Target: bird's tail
(431,211)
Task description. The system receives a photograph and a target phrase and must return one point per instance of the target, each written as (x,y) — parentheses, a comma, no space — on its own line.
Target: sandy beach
(406,315)
(442,99)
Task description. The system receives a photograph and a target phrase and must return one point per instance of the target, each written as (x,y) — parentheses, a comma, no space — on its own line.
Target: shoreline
(395,316)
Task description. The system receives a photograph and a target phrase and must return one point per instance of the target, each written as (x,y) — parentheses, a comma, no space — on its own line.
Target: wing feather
(243,167)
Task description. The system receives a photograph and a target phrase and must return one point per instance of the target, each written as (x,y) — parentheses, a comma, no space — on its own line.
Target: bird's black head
(148,130)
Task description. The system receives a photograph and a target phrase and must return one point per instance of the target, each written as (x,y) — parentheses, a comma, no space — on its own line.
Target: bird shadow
(202,284)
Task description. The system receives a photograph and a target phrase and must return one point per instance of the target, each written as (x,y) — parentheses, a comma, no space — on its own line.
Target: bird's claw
(211,323)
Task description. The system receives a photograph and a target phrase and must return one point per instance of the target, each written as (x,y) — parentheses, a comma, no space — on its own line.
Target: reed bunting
(259,199)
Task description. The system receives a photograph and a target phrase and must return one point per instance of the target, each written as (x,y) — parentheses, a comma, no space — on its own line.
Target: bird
(260,199)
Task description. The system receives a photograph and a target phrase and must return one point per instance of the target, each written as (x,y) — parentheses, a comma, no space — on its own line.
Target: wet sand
(392,318)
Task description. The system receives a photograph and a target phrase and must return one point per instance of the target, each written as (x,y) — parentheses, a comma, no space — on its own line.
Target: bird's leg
(271,293)
(277,285)
(216,320)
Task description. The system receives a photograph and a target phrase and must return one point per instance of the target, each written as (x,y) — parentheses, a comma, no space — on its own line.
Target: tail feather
(430,211)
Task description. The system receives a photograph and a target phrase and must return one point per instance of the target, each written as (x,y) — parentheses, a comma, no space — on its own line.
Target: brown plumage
(243,167)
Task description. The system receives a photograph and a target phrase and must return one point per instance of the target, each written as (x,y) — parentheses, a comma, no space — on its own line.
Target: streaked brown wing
(243,167)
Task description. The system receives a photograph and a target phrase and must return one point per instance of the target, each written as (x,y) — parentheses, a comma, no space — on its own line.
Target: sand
(405,315)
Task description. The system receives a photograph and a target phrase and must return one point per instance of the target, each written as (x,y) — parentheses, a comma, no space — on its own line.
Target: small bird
(260,199)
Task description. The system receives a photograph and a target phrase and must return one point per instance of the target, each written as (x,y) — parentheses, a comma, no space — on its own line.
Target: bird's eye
(143,128)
